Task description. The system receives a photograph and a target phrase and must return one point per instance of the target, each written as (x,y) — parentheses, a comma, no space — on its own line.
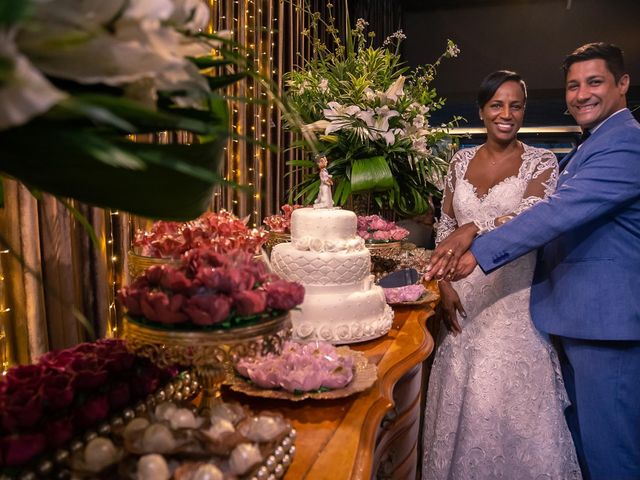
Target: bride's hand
(451,305)
(444,258)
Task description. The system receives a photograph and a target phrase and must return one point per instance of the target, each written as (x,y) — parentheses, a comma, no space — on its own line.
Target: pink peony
(283,295)
(159,307)
(208,309)
(250,302)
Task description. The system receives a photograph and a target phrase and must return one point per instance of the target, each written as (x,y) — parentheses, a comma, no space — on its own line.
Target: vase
(212,354)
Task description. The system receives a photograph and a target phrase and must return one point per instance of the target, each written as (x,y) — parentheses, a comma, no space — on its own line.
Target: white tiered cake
(341,304)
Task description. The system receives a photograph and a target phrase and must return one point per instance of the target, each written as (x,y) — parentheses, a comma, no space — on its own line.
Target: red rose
(58,432)
(90,372)
(57,389)
(283,295)
(119,396)
(21,409)
(208,309)
(146,381)
(96,408)
(19,449)
(250,302)
(159,307)
(24,377)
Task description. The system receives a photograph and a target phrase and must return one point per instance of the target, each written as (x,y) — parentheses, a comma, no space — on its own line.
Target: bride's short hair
(492,83)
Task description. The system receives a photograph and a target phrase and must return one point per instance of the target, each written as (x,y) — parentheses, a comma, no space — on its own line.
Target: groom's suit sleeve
(607,179)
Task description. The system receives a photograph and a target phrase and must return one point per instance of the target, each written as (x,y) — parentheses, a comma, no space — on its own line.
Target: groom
(585,288)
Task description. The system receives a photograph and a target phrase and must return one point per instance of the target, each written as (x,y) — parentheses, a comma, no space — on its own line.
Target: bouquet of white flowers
(77,78)
(370,116)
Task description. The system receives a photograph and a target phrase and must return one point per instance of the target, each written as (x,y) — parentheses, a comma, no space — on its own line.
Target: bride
(495,400)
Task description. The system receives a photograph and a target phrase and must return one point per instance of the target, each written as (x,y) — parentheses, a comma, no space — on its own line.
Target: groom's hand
(444,260)
(466,265)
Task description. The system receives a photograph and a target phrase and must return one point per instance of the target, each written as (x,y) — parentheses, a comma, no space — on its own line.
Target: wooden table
(373,432)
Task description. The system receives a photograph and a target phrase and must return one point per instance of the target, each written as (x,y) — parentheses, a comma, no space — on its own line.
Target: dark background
(529,36)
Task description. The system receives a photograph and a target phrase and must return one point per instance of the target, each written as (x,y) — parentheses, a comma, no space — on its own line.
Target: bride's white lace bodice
(495,400)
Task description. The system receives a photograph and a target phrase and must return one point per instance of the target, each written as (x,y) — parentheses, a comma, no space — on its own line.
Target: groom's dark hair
(611,54)
(492,83)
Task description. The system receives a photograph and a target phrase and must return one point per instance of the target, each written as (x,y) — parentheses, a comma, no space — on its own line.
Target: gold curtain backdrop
(53,279)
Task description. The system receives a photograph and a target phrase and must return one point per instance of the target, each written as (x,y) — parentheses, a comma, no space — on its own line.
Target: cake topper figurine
(325,199)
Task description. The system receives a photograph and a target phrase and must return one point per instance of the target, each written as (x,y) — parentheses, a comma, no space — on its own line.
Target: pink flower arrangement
(220,232)
(376,229)
(408,293)
(281,223)
(209,288)
(300,368)
(42,406)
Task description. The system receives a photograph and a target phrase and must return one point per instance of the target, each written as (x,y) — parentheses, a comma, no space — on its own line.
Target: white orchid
(26,93)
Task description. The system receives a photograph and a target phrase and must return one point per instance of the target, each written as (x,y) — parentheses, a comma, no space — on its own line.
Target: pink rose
(283,295)
(215,279)
(380,235)
(20,449)
(250,302)
(208,309)
(399,233)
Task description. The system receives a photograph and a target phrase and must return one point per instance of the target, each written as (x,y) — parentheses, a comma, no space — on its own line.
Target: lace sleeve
(447,223)
(542,178)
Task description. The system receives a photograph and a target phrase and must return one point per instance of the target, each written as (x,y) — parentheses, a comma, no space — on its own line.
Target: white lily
(115,43)
(316,126)
(395,91)
(190,15)
(378,121)
(323,85)
(26,93)
(340,116)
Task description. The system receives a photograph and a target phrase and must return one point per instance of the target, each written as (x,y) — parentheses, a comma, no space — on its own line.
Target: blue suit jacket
(587,279)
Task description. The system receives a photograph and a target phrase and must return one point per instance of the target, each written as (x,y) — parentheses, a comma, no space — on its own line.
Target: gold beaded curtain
(271,33)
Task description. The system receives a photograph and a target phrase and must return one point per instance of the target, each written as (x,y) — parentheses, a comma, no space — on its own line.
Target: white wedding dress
(495,400)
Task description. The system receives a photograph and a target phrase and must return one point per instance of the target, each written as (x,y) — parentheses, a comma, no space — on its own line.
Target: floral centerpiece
(220,232)
(281,222)
(43,406)
(77,78)
(375,229)
(370,116)
(209,290)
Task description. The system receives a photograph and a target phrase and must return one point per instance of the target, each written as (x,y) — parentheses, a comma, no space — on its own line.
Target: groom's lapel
(565,160)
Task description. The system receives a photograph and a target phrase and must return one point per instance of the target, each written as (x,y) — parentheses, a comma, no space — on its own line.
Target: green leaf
(371,174)
(12,11)
(223,81)
(175,181)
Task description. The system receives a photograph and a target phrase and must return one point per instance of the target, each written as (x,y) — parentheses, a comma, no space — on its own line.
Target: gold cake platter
(365,375)
(384,249)
(211,353)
